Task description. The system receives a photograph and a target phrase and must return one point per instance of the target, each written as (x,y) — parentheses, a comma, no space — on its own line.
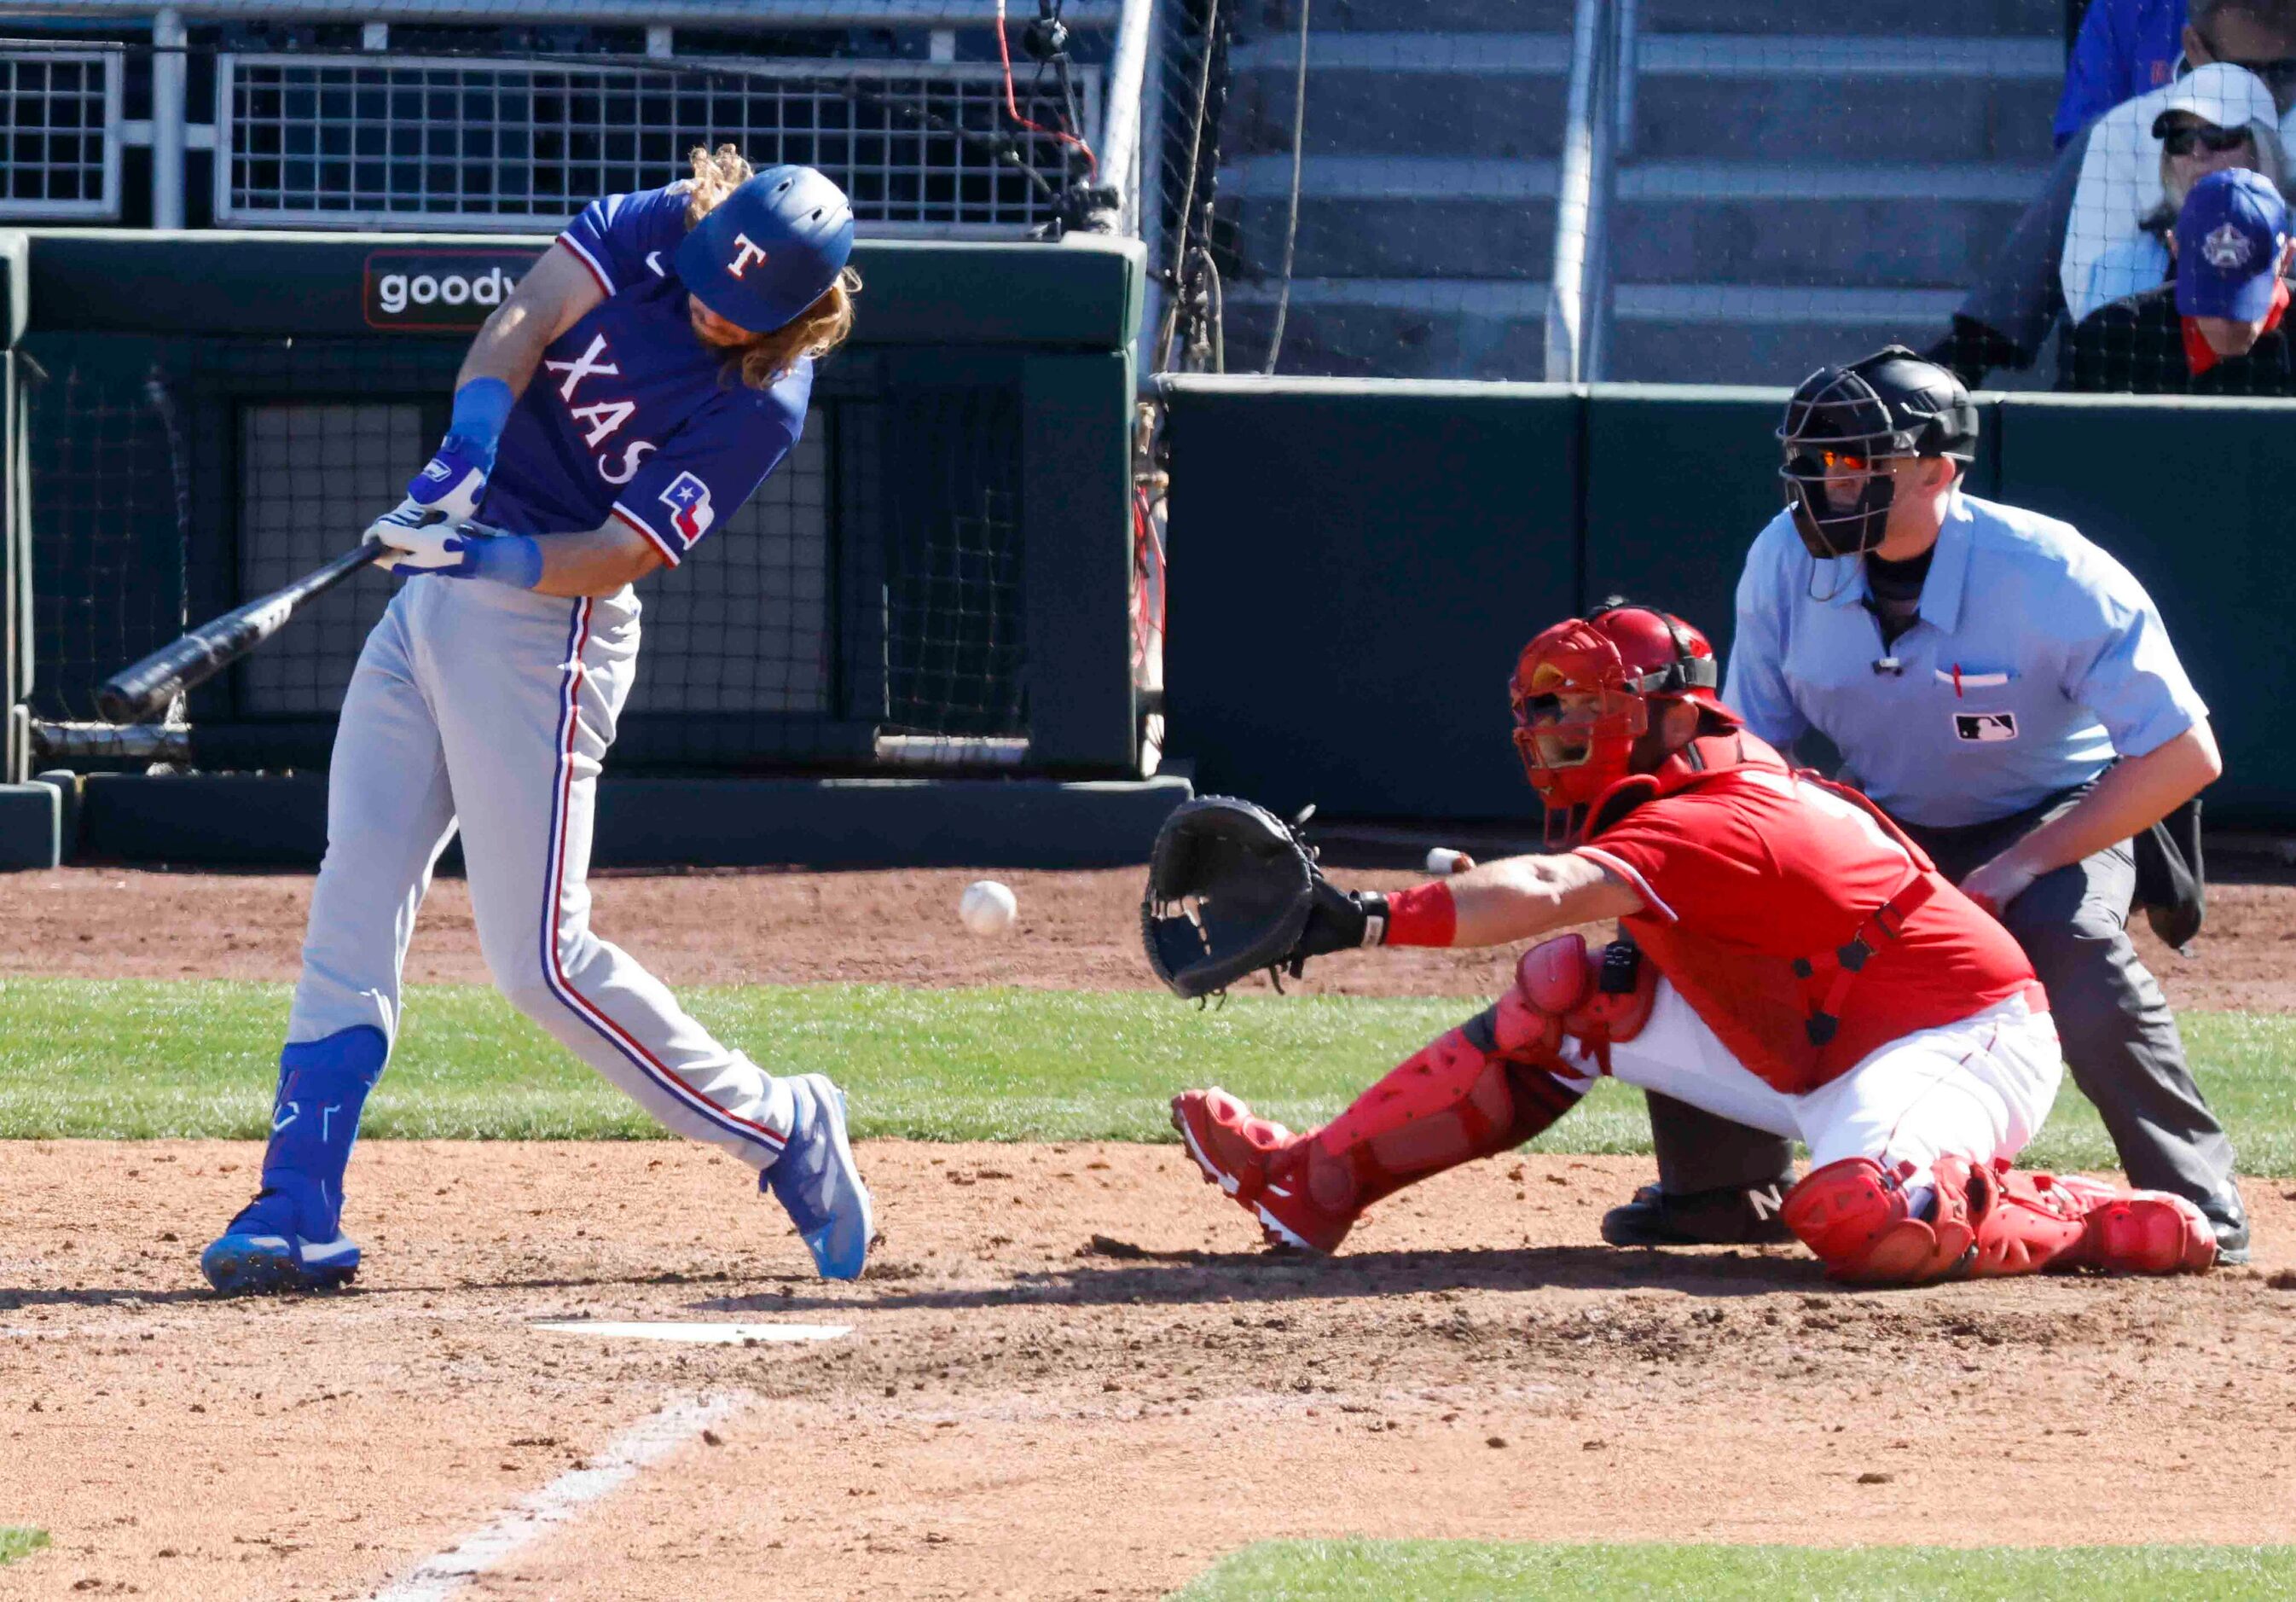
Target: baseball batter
(1797,964)
(634,389)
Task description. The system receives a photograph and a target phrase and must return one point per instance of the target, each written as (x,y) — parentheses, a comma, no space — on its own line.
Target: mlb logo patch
(1985,728)
(690,514)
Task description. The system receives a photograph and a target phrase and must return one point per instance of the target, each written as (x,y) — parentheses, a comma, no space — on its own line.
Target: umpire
(2006,690)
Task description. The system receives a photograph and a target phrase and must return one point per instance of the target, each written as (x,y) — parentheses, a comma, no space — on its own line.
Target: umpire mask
(1842,428)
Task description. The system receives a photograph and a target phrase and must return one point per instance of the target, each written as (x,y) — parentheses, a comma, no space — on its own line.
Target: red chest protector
(1792,1018)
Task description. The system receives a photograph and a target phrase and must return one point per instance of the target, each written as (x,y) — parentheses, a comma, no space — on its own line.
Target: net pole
(15,585)
(1575,199)
(1120,132)
(168,81)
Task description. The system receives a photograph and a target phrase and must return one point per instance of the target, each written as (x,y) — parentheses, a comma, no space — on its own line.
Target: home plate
(715,1335)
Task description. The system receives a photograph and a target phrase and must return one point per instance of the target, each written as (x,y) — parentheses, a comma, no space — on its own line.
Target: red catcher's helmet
(1582,692)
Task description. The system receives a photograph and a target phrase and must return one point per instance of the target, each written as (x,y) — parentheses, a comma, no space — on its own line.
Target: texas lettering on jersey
(631,417)
(602,420)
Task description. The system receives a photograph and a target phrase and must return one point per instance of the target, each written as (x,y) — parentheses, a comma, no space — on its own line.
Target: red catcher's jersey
(1753,880)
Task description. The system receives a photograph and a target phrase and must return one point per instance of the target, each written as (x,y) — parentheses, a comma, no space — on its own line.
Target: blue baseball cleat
(260,1254)
(816,1179)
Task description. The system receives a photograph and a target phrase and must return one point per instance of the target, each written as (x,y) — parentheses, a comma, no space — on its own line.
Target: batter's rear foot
(260,1252)
(817,1181)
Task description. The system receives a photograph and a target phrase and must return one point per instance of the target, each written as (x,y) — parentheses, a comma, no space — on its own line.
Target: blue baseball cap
(770,249)
(2228,240)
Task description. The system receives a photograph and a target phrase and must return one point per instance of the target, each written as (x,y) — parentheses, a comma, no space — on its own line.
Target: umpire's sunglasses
(2206,136)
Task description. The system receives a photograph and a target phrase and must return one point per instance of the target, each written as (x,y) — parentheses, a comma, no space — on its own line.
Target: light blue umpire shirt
(2035,659)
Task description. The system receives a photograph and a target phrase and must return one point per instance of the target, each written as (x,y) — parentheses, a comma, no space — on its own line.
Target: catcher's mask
(1844,424)
(1582,690)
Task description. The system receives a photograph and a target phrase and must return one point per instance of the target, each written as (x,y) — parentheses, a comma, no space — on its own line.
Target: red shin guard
(1987,1222)
(1484,1088)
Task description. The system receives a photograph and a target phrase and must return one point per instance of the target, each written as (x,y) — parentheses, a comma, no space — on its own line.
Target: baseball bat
(141,694)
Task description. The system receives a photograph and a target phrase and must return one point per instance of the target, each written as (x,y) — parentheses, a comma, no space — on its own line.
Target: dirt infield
(1076,931)
(1071,1372)
(1071,1375)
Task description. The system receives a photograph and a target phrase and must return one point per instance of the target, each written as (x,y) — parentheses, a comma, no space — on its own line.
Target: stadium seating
(1789,189)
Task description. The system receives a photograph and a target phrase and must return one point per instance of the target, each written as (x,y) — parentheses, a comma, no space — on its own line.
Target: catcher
(1796,964)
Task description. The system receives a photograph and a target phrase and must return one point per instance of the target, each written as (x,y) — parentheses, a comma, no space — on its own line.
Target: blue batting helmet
(770,249)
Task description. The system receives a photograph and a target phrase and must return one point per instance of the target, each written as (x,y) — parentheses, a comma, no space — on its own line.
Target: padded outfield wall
(1355,566)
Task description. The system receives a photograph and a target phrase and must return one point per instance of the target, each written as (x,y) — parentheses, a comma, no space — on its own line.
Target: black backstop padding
(1354,569)
(1076,546)
(1084,292)
(1678,482)
(2197,498)
(1354,564)
(880,823)
(245,820)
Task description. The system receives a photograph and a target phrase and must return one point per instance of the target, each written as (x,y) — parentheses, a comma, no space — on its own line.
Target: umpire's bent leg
(2120,1039)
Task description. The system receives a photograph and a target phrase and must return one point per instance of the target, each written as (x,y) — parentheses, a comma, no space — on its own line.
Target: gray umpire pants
(2120,1039)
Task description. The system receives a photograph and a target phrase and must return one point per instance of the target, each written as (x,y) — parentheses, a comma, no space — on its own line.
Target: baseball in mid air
(987,907)
(1443,861)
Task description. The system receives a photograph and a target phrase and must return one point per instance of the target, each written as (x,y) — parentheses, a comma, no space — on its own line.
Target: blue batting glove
(454,480)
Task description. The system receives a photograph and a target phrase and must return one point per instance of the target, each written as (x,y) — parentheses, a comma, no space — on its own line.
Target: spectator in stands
(2108,177)
(2216,330)
(2125,48)
(2191,147)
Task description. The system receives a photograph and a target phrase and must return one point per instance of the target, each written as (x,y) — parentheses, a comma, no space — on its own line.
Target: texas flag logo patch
(690,513)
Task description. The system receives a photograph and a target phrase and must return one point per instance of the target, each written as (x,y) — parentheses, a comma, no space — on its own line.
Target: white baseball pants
(1980,1089)
(478,704)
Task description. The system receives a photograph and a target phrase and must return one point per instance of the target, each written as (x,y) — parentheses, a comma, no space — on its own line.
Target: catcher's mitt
(1229,890)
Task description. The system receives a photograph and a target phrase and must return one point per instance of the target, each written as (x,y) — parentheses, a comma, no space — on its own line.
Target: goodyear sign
(432,292)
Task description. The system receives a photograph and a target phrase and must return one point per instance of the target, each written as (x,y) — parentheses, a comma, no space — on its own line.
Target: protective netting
(872,588)
(1771,187)
(111,510)
(1388,211)
(519,144)
(459,123)
(2094,287)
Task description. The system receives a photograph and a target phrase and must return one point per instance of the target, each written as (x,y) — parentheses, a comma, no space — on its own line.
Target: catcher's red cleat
(1261,1165)
(2143,1232)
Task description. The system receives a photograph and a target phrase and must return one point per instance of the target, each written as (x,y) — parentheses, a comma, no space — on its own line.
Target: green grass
(1432,1571)
(16,1543)
(148,1058)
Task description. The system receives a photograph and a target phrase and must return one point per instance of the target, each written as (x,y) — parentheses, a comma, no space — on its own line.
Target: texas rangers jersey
(1755,881)
(630,415)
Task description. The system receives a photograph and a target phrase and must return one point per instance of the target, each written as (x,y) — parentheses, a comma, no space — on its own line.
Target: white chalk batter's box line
(706,1334)
(449,1572)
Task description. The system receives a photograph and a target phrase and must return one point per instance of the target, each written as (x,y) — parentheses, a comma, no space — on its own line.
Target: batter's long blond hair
(817,330)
